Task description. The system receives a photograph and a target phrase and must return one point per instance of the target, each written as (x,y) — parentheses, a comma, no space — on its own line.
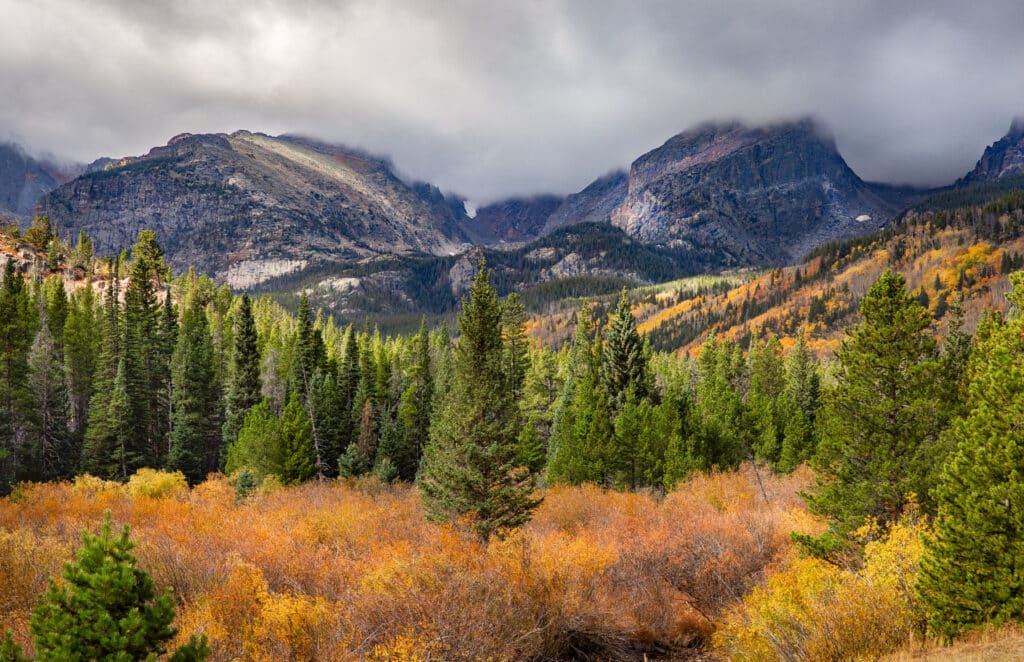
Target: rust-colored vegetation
(341,570)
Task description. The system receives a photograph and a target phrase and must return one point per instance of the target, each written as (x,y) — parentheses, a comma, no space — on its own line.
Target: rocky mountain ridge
(246,206)
(762,195)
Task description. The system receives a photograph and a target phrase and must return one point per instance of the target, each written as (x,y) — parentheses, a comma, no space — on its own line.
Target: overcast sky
(491,99)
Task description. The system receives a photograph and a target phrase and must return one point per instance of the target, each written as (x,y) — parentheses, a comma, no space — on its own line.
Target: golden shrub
(811,610)
(157,484)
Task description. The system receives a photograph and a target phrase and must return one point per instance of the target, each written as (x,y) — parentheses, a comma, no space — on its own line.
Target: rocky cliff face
(1004,158)
(763,195)
(247,207)
(24,179)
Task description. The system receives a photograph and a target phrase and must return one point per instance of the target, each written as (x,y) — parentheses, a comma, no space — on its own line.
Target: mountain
(511,220)
(763,195)
(1002,159)
(23,179)
(753,195)
(247,207)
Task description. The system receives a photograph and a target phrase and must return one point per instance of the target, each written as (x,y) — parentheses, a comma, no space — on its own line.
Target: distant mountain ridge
(259,211)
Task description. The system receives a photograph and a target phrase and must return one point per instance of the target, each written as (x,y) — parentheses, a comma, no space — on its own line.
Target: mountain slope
(970,250)
(247,206)
(23,179)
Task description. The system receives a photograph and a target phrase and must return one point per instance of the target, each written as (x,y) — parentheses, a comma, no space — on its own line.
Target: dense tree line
(137,369)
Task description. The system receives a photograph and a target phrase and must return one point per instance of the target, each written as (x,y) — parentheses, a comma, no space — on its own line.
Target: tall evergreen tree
(541,390)
(98,447)
(415,409)
(116,458)
(258,446)
(800,402)
(195,437)
(245,388)
(973,570)
(883,418)
(141,324)
(581,428)
(348,382)
(626,358)
(767,382)
(166,340)
(81,346)
(50,453)
(517,348)
(298,459)
(469,466)
(18,326)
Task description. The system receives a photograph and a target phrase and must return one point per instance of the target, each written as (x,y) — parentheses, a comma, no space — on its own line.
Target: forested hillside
(952,247)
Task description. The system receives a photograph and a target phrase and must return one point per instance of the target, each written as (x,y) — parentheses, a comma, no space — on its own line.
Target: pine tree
(258,446)
(107,608)
(326,400)
(883,418)
(767,381)
(973,570)
(626,359)
(166,340)
(141,324)
(99,444)
(39,233)
(81,346)
(581,428)
(638,451)
(298,462)
(444,371)
(51,454)
(245,388)
(517,356)
(718,440)
(469,466)
(799,405)
(348,382)
(18,326)
(956,352)
(195,436)
(415,410)
(117,457)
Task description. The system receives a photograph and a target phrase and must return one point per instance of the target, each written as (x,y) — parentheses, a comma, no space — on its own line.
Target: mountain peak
(1016,128)
(1003,158)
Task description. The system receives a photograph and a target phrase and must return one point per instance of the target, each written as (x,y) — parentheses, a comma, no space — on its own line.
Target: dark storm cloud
(492,99)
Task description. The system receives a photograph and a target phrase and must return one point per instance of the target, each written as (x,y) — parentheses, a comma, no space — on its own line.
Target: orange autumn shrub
(345,570)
